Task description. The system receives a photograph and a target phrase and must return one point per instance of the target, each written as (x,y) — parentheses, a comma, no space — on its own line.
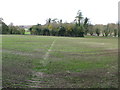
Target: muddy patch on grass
(34,54)
(17,52)
(87,53)
(15,74)
(42,80)
(96,78)
(102,77)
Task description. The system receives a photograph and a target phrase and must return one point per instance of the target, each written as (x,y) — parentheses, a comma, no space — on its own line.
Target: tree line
(55,27)
(10,29)
(78,28)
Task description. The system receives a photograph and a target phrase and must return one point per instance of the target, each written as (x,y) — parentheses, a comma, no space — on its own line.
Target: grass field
(27,32)
(59,62)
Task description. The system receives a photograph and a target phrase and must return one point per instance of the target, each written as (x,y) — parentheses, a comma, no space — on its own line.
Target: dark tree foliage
(4,28)
(106,31)
(46,32)
(80,31)
(73,30)
(86,25)
(118,29)
(97,31)
(54,33)
(16,30)
(79,17)
(61,31)
(78,28)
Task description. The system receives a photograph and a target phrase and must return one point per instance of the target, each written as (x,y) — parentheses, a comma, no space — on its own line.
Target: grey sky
(29,12)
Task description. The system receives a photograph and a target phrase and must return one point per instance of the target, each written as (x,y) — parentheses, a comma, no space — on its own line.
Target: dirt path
(38,80)
(49,50)
(44,62)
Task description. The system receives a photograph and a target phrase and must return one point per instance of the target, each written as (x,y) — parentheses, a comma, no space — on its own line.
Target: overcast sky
(30,12)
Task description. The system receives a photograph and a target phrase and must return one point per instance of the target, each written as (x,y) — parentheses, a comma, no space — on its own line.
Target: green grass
(27,32)
(71,60)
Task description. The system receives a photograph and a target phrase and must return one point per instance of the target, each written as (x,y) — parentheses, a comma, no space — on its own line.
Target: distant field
(27,32)
(59,62)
